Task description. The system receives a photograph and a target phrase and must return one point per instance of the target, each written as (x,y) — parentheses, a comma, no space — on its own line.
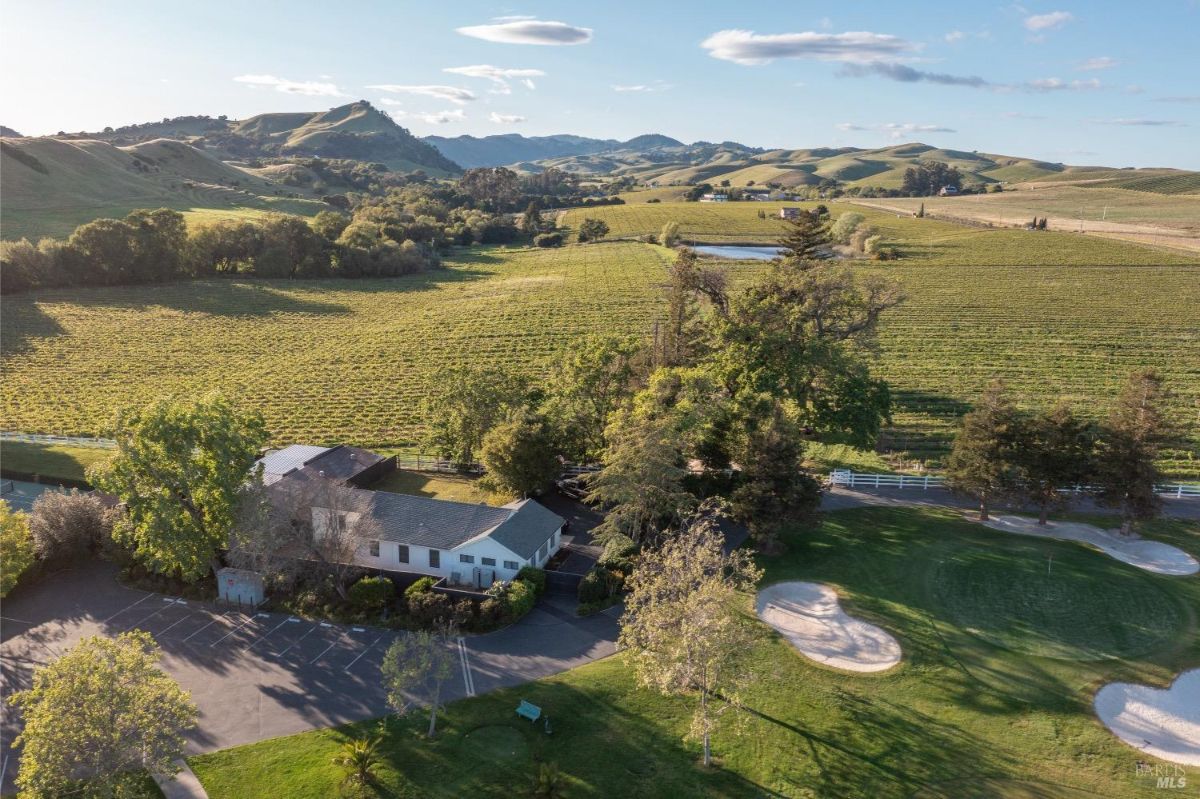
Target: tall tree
(16,547)
(774,491)
(798,334)
(101,712)
(416,666)
(1130,442)
(465,402)
(69,526)
(805,240)
(1053,452)
(683,337)
(178,471)
(982,463)
(586,384)
(682,627)
(641,484)
(531,220)
(518,455)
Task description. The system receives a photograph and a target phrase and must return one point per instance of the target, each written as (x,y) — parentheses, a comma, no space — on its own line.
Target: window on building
(435,559)
(488,561)
(512,564)
(374,548)
(466,558)
(402,553)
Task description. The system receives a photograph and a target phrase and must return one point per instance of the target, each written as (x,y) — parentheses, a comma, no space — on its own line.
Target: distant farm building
(790,213)
(948,191)
(714,198)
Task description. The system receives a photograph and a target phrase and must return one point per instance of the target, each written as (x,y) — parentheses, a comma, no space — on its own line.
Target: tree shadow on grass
(24,324)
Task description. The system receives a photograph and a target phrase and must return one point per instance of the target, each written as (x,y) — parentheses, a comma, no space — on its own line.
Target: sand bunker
(809,616)
(1153,556)
(1160,722)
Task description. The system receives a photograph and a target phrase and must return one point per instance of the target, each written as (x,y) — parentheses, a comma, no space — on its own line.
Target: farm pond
(738,253)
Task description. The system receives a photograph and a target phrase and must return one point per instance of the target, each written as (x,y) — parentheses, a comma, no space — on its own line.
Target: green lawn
(976,709)
(454,487)
(50,460)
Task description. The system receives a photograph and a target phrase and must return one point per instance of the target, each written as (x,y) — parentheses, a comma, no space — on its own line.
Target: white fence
(849,479)
(70,441)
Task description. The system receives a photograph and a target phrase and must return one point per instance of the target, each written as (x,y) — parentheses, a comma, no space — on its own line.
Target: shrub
(871,244)
(592,230)
(429,608)
(519,599)
(535,577)
(886,254)
(421,586)
(596,586)
(65,527)
(372,594)
(16,547)
(548,240)
(670,234)
(845,225)
(618,554)
(491,610)
(654,200)
(858,240)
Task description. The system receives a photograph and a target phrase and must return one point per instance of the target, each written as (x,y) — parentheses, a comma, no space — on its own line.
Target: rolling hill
(50,185)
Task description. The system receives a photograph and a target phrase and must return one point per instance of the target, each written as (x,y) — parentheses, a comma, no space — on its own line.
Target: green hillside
(51,185)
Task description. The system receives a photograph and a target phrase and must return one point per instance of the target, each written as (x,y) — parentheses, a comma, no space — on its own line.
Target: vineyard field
(918,240)
(348,361)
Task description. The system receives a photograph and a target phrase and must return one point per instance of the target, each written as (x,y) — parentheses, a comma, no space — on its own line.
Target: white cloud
(1178,98)
(1097,63)
(452,93)
(391,101)
(656,86)
(505,119)
(906,74)
(499,76)
(308,88)
(751,49)
(1141,123)
(1046,22)
(1058,85)
(528,31)
(897,130)
(954,36)
(442,117)
(1021,115)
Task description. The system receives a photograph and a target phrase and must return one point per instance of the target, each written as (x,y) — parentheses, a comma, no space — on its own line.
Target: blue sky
(1110,83)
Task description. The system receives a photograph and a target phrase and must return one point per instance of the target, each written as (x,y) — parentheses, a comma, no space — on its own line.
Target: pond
(738,253)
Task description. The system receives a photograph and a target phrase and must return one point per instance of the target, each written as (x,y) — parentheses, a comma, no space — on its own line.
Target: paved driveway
(260,675)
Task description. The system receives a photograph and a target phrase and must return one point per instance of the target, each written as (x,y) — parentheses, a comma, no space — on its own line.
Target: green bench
(529,711)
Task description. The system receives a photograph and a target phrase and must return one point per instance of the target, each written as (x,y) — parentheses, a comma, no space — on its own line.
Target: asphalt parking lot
(257,675)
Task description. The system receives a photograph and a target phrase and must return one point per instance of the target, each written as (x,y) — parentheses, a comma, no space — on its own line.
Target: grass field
(348,361)
(974,710)
(453,487)
(50,460)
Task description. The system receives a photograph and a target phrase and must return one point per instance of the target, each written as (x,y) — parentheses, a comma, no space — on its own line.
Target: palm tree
(547,782)
(359,757)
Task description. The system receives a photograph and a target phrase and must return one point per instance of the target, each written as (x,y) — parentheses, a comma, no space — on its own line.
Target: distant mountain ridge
(356,130)
(513,148)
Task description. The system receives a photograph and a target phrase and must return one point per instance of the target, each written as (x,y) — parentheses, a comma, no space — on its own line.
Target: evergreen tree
(1054,452)
(982,462)
(531,220)
(1131,440)
(805,239)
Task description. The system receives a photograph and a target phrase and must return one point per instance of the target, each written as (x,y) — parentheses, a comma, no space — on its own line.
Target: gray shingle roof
(344,463)
(529,526)
(521,527)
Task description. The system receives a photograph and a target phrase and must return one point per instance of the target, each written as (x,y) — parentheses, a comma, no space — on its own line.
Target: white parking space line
(173,624)
(253,643)
(468,678)
(17,621)
(323,651)
(214,620)
(168,603)
(311,630)
(127,607)
(234,630)
(360,654)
